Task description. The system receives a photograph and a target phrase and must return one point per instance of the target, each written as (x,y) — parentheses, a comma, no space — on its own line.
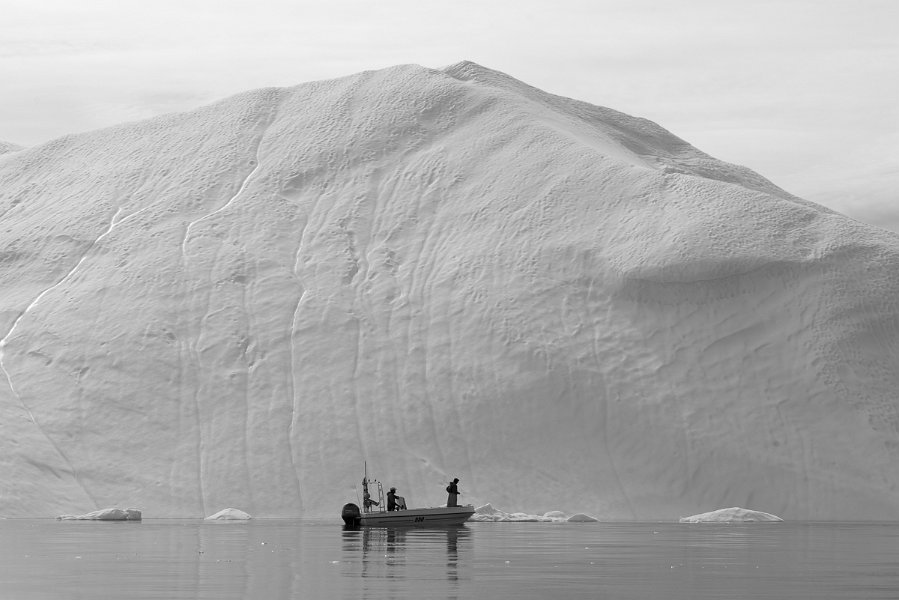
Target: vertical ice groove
(609,455)
(412,334)
(427,258)
(245,454)
(193,351)
(222,207)
(360,281)
(606,398)
(247,387)
(293,391)
(193,421)
(39,297)
(292,342)
(273,110)
(455,395)
(358,416)
(194,356)
(5,340)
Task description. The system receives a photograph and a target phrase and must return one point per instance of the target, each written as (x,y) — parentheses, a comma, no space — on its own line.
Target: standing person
(453,490)
(391,499)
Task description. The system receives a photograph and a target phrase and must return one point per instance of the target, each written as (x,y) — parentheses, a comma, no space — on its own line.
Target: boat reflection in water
(436,559)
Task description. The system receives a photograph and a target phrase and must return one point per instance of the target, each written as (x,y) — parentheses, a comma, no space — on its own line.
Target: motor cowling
(351,515)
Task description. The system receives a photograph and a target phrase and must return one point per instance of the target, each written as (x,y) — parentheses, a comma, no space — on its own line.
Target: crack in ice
(293,393)
(192,348)
(240,190)
(6,338)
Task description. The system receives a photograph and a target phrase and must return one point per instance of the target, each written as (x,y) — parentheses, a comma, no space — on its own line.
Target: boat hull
(419,517)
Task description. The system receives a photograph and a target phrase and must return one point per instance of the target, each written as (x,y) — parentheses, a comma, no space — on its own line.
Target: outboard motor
(351,515)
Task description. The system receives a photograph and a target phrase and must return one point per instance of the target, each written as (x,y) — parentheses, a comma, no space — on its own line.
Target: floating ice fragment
(106,514)
(582,518)
(731,515)
(488,513)
(229,514)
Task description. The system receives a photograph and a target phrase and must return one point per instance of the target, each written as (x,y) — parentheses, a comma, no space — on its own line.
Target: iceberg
(582,518)
(229,514)
(487,513)
(732,515)
(106,514)
(446,272)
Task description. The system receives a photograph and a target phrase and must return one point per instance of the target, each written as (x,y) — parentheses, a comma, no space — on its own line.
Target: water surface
(270,559)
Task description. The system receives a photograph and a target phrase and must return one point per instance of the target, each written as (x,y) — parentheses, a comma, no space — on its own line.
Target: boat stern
(351,515)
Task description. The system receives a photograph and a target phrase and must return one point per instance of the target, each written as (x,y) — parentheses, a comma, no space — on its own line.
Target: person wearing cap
(391,499)
(453,490)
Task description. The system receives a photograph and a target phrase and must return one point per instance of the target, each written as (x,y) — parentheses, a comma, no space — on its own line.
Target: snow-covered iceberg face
(732,515)
(6,147)
(445,273)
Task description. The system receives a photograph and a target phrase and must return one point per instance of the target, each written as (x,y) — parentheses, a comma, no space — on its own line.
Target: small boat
(374,513)
(438,516)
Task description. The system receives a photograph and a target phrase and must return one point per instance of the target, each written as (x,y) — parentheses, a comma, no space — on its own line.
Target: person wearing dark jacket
(391,499)
(453,490)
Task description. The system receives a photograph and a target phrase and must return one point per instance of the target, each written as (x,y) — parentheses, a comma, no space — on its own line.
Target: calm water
(270,559)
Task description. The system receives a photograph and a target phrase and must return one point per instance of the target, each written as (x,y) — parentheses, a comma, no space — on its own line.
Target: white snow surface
(731,515)
(8,147)
(443,273)
(106,514)
(229,514)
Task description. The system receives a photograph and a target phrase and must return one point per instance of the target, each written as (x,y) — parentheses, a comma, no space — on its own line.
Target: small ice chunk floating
(106,514)
(732,515)
(490,514)
(229,514)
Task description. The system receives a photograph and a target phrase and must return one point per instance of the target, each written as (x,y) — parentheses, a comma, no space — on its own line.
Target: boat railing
(378,505)
(382,505)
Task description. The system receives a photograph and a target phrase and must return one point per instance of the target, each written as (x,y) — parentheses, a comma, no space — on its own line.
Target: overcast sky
(806,92)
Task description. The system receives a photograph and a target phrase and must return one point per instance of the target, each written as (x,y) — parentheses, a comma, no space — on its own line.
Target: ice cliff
(443,273)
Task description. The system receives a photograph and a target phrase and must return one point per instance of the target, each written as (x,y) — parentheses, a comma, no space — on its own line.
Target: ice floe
(732,515)
(487,513)
(106,514)
(229,514)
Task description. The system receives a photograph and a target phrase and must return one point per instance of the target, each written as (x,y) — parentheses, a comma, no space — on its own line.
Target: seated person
(367,501)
